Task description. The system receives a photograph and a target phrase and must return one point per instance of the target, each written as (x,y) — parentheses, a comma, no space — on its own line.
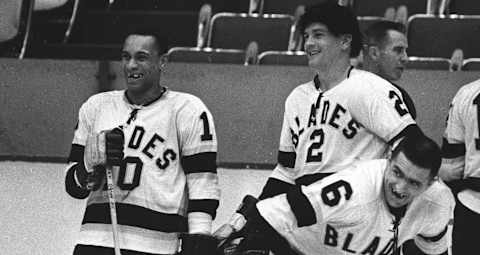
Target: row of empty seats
(98,33)
(299,58)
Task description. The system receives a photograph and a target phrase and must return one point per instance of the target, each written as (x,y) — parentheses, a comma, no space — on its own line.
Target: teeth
(135,76)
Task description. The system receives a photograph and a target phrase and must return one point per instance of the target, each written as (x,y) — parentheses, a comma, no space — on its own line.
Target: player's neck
(145,97)
(333,75)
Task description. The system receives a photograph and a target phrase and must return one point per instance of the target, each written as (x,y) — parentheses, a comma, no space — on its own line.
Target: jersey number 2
(399,105)
(313,155)
(476,102)
(331,193)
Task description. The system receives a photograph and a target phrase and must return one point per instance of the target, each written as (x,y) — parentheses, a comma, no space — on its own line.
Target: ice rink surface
(39,217)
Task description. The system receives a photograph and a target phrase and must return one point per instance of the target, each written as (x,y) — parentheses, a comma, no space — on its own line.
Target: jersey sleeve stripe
(76,153)
(274,187)
(311,178)
(450,150)
(301,207)
(411,129)
(200,163)
(136,216)
(287,159)
(203,205)
(434,238)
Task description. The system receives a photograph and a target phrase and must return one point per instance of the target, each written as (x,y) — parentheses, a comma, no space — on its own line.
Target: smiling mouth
(398,195)
(313,53)
(134,77)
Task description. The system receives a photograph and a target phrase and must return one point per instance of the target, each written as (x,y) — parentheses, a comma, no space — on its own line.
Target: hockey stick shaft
(113,209)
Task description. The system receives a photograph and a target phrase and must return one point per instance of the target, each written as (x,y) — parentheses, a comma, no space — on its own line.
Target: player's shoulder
(300,92)
(183,100)
(365,178)
(438,195)
(367,82)
(468,90)
(102,98)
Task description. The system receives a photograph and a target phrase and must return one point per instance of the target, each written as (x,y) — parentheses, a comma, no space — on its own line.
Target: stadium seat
(179,5)
(465,7)
(378,7)
(109,27)
(471,64)
(75,51)
(428,63)
(366,21)
(297,58)
(438,36)
(286,7)
(235,30)
(206,55)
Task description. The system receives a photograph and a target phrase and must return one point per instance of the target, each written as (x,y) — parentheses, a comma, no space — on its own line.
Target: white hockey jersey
(328,130)
(350,215)
(169,169)
(463,127)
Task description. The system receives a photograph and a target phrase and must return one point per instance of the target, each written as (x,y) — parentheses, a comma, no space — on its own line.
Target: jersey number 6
(331,193)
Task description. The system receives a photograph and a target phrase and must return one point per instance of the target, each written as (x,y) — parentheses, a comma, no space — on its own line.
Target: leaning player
(343,115)
(370,207)
(163,146)
(461,166)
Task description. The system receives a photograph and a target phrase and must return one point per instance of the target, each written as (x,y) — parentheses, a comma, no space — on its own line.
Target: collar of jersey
(317,82)
(164,90)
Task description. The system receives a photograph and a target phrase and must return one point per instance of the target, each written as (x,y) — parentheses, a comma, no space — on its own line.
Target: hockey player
(162,145)
(461,165)
(371,207)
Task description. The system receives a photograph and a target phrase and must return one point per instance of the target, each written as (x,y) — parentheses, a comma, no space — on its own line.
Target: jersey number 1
(476,102)
(206,136)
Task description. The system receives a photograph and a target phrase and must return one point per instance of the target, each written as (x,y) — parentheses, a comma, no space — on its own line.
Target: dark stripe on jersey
(435,238)
(311,178)
(411,129)
(71,186)
(136,216)
(203,205)
(286,159)
(76,153)
(274,187)
(451,150)
(472,183)
(301,207)
(205,162)
(408,101)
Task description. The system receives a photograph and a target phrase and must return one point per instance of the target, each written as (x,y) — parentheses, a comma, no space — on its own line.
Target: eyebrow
(406,177)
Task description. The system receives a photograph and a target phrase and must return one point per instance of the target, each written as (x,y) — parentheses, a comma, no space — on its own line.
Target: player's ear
(162,61)
(346,41)
(373,52)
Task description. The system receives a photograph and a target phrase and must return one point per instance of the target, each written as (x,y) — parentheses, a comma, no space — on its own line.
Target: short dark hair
(338,19)
(421,151)
(376,34)
(161,42)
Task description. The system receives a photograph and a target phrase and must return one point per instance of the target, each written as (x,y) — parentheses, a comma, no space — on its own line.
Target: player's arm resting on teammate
(89,154)
(199,155)
(283,176)
(280,181)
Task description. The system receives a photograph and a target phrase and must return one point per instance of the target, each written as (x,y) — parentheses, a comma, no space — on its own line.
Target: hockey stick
(113,209)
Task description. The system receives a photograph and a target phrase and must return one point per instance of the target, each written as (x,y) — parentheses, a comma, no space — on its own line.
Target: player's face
(404,181)
(322,47)
(393,57)
(141,63)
